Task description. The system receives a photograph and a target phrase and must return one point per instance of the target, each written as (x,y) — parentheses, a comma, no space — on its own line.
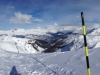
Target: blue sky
(32,13)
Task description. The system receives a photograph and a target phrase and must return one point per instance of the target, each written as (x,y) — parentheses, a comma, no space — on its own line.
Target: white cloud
(21,18)
(55,24)
(37,20)
(96,25)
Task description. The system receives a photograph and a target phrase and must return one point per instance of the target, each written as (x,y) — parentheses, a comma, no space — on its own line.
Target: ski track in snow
(33,63)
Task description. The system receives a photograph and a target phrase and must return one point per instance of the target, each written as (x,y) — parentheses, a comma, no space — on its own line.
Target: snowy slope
(20,58)
(59,63)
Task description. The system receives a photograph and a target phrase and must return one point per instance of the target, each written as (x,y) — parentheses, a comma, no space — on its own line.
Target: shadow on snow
(14,71)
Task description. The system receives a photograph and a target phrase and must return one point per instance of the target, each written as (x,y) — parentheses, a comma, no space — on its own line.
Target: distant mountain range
(54,38)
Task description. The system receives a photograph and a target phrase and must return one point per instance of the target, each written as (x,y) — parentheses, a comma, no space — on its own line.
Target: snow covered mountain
(22,51)
(48,39)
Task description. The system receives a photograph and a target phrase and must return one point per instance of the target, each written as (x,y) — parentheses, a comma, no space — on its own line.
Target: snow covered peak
(71,37)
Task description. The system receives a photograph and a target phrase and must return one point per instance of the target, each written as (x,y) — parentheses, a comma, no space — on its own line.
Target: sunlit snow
(17,57)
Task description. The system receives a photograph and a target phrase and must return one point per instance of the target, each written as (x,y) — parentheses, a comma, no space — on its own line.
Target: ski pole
(85,44)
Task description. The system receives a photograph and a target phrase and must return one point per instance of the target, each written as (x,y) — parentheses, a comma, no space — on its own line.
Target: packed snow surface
(58,63)
(17,57)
